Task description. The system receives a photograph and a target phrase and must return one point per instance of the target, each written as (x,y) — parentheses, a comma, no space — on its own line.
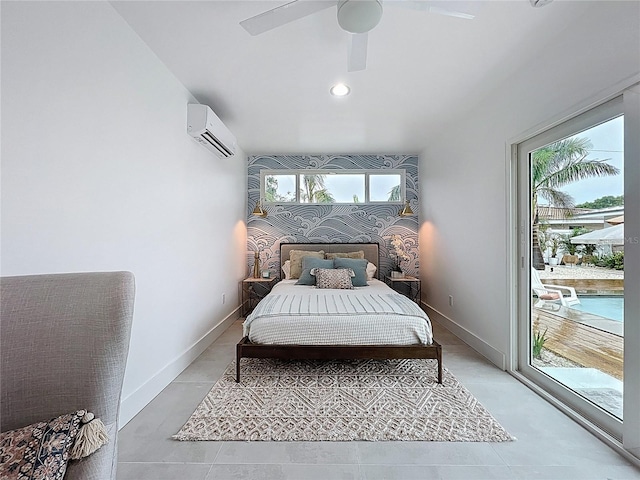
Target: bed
(304,322)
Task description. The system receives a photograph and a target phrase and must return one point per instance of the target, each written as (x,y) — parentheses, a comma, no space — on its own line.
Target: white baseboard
(136,401)
(496,357)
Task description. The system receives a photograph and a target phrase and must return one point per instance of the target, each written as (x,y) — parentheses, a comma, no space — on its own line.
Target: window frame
(366,172)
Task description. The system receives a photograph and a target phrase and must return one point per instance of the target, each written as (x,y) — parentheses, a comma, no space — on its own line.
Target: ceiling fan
(357,17)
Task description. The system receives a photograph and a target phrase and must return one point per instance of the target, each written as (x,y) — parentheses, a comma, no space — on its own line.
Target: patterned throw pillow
(295,257)
(333,278)
(358,254)
(39,451)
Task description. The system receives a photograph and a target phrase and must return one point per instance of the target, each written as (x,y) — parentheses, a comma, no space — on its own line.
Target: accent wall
(332,223)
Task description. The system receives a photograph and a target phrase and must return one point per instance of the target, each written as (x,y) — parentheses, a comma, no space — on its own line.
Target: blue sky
(608,143)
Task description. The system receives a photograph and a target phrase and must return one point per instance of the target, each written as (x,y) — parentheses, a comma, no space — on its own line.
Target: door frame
(622,436)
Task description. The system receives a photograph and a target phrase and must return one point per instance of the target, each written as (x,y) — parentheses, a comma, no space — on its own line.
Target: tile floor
(549,445)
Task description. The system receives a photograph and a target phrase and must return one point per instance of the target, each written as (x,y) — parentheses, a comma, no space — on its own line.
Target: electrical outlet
(451,300)
(224,297)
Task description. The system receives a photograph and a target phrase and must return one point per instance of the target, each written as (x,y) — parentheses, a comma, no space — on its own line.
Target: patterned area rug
(342,400)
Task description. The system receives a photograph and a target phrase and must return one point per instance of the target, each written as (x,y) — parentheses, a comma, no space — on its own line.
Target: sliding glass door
(573,325)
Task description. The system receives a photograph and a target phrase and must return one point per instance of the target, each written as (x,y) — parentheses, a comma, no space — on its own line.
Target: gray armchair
(64,340)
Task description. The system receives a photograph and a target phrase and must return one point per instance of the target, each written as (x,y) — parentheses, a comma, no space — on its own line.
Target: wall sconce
(259,211)
(406,210)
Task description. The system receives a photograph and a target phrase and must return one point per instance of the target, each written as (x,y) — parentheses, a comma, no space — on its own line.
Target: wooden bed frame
(247,349)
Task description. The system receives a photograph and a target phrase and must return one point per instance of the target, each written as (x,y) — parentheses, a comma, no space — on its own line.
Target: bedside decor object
(256,264)
(399,254)
(266,273)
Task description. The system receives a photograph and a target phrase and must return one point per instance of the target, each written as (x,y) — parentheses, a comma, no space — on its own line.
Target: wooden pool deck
(579,341)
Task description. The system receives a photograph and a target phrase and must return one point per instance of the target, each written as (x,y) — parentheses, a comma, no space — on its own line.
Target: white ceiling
(272,90)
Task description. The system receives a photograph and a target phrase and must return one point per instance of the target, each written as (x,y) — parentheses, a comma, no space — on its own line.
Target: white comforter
(304,315)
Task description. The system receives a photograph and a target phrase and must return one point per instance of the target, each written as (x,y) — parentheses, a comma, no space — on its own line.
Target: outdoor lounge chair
(552,293)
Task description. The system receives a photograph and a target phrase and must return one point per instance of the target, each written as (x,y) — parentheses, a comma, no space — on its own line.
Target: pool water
(603,306)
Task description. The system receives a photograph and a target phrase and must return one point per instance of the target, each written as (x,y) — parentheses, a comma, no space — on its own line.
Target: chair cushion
(549,296)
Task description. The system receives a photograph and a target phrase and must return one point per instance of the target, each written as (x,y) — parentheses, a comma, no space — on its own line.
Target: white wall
(98,174)
(463,232)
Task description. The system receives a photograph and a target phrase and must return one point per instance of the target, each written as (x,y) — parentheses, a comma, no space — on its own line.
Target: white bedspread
(304,315)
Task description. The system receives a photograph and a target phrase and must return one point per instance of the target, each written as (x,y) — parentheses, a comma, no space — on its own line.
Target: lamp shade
(259,211)
(406,210)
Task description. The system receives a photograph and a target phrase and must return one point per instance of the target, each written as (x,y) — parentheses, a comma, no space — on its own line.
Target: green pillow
(359,267)
(307,264)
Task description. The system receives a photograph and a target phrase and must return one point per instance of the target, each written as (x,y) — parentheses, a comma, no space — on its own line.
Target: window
(385,188)
(331,186)
(279,188)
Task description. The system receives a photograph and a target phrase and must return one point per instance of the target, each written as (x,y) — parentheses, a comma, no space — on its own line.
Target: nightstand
(410,287)
(254,290)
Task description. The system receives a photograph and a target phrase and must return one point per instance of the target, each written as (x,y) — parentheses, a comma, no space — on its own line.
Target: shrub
(615,261)
(538,342)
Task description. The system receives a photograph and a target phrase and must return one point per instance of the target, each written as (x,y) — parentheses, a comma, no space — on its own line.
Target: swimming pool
(611,307)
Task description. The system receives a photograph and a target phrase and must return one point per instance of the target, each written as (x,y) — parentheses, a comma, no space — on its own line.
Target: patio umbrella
(606,236)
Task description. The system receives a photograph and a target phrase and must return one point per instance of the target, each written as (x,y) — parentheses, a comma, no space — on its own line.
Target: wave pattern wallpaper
(335,223)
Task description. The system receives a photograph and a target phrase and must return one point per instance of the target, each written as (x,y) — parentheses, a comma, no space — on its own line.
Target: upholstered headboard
(371,250)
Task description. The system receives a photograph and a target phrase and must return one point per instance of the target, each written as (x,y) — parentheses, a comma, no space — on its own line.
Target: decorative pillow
(309,263)
(39,451)
(358,254)
(295,256)
(371,270)
(359,267)
(286,269)
(333,278)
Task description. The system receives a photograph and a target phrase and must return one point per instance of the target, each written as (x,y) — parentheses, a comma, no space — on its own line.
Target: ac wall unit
(209,131)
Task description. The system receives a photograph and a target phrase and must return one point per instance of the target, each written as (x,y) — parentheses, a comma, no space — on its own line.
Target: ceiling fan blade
(540,3)
(284,14)
(457,9)
(357,52)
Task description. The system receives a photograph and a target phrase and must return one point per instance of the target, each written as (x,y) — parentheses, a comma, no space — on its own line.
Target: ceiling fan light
(359,16)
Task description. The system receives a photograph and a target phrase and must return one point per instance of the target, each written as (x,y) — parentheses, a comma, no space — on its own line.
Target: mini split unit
(209,131)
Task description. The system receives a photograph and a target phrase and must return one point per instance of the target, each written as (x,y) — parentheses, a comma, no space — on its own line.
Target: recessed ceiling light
(340,90)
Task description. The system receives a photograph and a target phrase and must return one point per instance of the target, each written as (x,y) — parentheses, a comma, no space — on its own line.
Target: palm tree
(394,194)
(314,190)
(553,167)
